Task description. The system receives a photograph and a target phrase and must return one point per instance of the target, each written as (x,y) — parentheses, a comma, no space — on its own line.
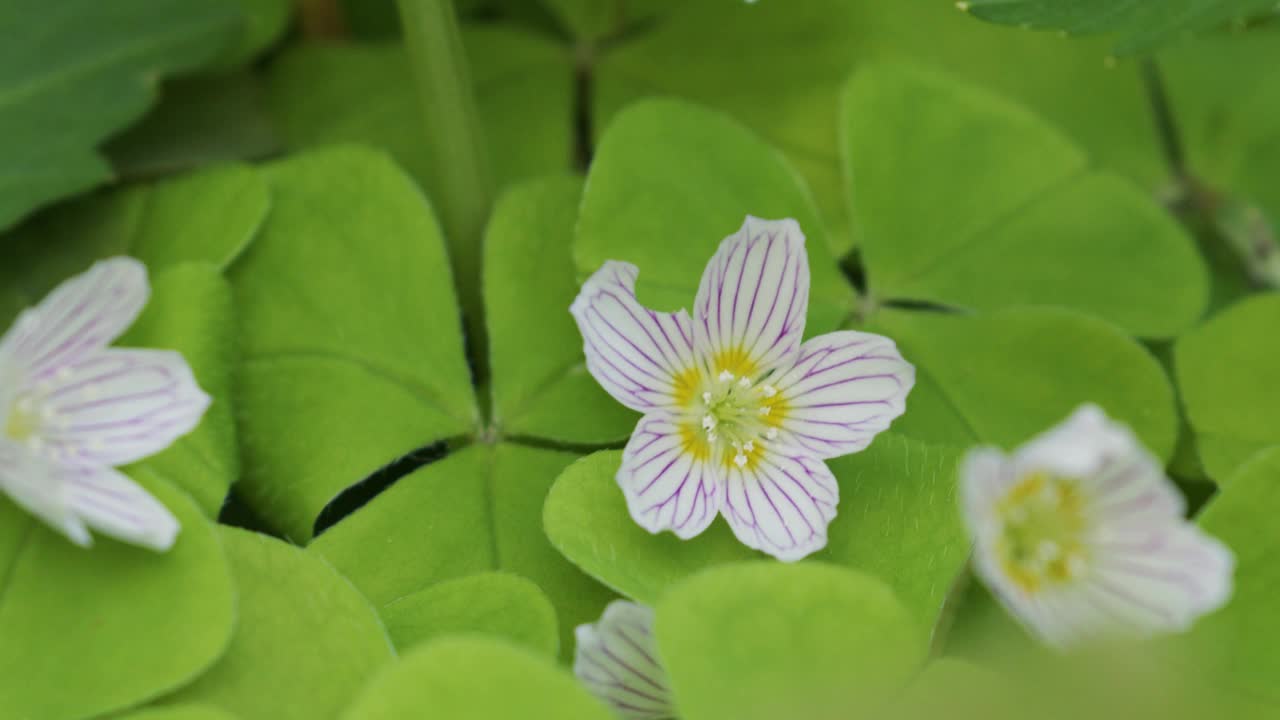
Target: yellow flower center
(734,417)
(1042,542)
(23,421)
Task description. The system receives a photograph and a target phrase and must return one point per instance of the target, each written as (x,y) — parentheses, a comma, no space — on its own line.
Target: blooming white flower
(618,661)
(72,409)
(1082,537)
(739,414)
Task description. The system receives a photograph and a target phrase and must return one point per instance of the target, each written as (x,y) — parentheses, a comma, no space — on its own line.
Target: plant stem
(459,183)
(1166,125)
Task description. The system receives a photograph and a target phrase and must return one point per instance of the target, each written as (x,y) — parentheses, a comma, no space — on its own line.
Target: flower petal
(82,315)
(117,406)
(114,505)
(643,358)
(1162,584)
(35,485)
(750,312)
(617,660)
(668,479)
(1080,445)
(781,501)
(844,389)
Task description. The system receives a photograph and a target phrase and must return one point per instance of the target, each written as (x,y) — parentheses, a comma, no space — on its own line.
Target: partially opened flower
(739,413)
(617,660)
(1082,537)
(72,409)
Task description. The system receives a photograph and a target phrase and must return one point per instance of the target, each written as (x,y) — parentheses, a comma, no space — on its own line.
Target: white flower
(739,414)
(1082,537)
(617,660)
(72,409)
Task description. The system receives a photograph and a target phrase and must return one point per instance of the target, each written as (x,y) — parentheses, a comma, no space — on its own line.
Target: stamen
(706,397)
(771,433)
(744,382)
(749,446)
(708,422)
(739,459)
(766,409)
(768,390)
(726,376)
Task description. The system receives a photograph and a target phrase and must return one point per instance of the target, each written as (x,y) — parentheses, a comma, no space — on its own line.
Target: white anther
(1075,565)
(1048,550)
(726,376)
(739,459)
(744,382)
(766,410)
(711,436)
(706,397)
(708,422)
(768,390)
(748,446)
(771,433)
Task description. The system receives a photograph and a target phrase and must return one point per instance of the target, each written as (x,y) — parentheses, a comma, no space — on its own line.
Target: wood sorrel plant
(363,222)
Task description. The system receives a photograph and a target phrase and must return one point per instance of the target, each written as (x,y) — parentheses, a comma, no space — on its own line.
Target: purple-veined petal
(643,358)
(111,503)
(81,316)
(844,389)
(1162,582)
(117,406)
(1082,537)
(781,502)
(617,660)
(36,486)
(750,312)
(1080,445)
(668,478)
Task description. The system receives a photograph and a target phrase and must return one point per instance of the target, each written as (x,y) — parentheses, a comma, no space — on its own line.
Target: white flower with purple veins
(72,409)
(618,662)
(739,414)
(1083,538)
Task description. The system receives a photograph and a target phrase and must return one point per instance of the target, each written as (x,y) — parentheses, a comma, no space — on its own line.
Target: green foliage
(522,84)
(1236,646)
(488,603)
(381,325)
(897,520)
(190,311)
(999,202)
(775,66)
(89,71)
(962,199)
(479,509)
(788,641)
(1226,371)
(529,283)
(199,121)
(1003,377)
(305,640)
(179,712)
(474,679)
(205,216)
(92,632)
(1138,24)
(670,181)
